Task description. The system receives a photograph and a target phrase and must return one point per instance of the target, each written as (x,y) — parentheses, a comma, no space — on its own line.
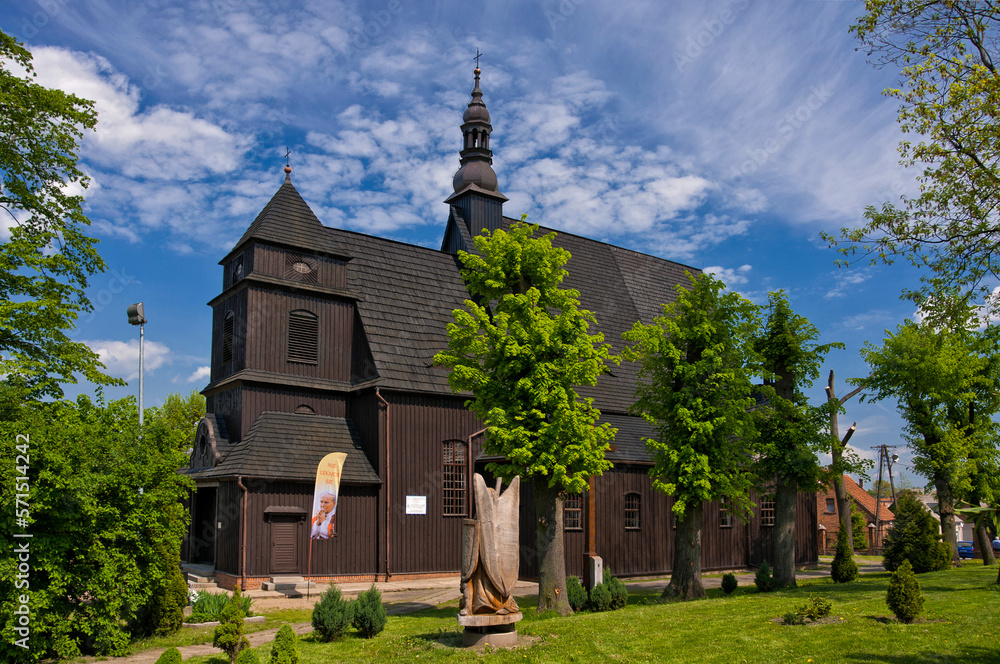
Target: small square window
(573,512)
(767,512)
(831,506)
(632,511)
(726,519)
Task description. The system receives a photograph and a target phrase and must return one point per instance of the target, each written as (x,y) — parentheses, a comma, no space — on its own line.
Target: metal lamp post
(136,317)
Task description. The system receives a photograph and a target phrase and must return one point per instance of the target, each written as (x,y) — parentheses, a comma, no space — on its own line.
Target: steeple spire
(476,158)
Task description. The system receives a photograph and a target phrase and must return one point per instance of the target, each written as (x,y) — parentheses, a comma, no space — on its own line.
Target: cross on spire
(287,152)
(478,55)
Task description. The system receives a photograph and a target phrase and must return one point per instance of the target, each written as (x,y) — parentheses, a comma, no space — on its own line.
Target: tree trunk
(549,542)
(785,503)
(946,510)
(985,545)
(685,579)
(837,457)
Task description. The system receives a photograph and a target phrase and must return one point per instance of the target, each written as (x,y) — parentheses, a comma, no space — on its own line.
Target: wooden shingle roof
(289,446)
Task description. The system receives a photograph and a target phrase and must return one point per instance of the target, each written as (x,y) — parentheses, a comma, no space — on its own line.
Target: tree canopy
(47,259)
(949,94)
(696,382)
(521,346)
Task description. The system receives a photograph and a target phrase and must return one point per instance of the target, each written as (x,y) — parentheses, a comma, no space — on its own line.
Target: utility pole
(136,317)
(886,461)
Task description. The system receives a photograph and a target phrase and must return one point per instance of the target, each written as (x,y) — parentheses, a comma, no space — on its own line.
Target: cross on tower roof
(478,55)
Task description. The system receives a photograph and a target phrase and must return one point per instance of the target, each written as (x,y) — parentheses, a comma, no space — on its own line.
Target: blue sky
(725,135)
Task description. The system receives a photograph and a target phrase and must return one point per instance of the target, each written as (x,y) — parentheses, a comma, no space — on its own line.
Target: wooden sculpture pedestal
(491,629)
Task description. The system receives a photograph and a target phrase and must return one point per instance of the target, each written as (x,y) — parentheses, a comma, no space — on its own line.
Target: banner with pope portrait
(326,496)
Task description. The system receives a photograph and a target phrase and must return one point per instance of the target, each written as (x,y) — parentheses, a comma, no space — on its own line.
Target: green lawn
(962,625)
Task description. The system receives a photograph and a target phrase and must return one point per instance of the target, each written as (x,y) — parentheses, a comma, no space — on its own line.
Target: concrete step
(214,587)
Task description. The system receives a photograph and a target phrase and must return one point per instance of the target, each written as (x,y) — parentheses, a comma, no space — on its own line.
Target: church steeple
(477,195)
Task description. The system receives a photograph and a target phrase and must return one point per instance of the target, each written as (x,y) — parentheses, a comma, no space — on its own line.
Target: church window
(453,467)
(237,269)
(300,268)
(726,519)
(573,512)
(767,512)
(227,337)
(305,410)
(303,337)
(632,511)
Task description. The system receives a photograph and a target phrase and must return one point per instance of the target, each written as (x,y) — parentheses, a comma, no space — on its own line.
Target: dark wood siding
(418,427)
(268,334)
(229,404)
(271,260)
(236,303)
(363,410)
(227,549)
(258,398)
(352,551)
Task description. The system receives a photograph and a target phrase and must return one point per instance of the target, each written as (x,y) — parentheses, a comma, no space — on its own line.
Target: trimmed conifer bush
(332,615)
(369,616)
(600,598)
(729,583)
(914,537)
(248,656)
(903,595)
(576,593)
(619,593)
(763,578)
(284,650)
(169,656)
(843,568)
(228,635)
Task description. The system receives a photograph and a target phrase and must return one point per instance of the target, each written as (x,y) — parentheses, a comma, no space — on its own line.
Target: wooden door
(284,546)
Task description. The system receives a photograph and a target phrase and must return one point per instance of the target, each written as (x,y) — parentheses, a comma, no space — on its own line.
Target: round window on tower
(301,267)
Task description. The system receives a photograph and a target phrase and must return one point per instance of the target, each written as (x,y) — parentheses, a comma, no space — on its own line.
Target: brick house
(829,519)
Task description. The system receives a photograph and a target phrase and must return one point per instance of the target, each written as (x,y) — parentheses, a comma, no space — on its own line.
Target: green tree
(47,260)
(843,569)
(106,517)
(697,362)
(522,347)
(949,94)
(946,382)
(859,528)
(914,536)
(228,634)
(791,432)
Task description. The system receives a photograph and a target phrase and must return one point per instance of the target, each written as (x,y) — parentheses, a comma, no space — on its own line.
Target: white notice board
(416,504)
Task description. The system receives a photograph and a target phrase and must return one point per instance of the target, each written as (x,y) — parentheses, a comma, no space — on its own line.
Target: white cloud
(845,280)
(121,358)
(156,143)
(200,374)
(730,276)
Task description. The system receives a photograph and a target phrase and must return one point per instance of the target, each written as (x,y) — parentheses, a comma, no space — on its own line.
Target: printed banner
(326,495)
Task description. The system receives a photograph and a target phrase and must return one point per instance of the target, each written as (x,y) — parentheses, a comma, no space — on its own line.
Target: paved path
(408,596)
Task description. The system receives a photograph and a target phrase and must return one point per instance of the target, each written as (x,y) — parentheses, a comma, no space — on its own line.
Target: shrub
(248,656)
(165,613)
(844,568)
(619,593)
(914,537)
(818,607)
(729,583)
(169,656)
(332,615)
(228,635)
(208,606)
(859,528)
(284,650)
(794,618)
(903,596)
(763,578)
(576,593)
(369,614)
(600,598)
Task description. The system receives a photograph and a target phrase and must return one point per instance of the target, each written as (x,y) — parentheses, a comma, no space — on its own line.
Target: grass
(962,625)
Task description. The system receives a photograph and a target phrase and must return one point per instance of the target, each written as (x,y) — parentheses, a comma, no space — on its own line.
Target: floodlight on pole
(136,316)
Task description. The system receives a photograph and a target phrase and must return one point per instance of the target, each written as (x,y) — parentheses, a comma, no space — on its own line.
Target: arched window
(573,511)
(305,410)
(227,337)
(303,337)
(632,504)
(454,471)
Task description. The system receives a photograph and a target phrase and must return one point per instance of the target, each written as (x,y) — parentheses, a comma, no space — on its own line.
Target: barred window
(453,466)
(726,519)
(303,337)
(767,512)
(632,511)
(573,512)
(227,337)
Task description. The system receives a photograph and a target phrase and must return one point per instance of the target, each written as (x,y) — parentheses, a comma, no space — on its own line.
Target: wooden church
(322,341)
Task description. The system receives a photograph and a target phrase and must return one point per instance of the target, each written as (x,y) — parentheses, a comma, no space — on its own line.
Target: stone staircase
(289,586)
(201,577)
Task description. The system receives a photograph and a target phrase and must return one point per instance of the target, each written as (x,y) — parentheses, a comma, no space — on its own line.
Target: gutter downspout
(388,494)
(243,535)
